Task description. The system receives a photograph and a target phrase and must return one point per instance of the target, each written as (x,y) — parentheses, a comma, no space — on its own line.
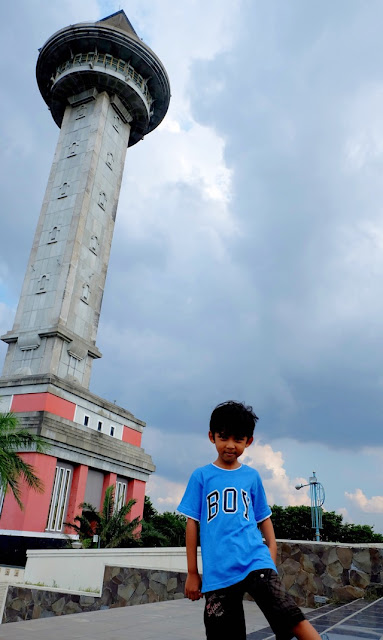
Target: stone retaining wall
(340,573)
(122,587)
(308,569)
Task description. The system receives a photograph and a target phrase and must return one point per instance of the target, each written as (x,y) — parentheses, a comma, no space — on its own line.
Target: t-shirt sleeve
(262,510)
(190,504)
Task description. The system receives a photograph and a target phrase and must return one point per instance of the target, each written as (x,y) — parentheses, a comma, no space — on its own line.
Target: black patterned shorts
(224,618)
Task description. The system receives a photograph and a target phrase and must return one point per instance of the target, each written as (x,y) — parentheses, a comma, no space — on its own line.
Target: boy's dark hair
(233,419)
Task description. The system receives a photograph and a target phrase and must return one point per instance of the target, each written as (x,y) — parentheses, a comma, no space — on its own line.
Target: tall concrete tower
(105,90)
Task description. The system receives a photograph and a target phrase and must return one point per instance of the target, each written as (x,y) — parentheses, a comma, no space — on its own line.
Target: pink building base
(92,444)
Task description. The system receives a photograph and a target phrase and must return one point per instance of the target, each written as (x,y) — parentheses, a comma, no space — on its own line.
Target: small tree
(162,529)
(13,469)
(111,525)
(353,533)
(292,523)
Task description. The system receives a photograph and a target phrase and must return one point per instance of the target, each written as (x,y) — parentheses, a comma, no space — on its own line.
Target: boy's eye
(224,438)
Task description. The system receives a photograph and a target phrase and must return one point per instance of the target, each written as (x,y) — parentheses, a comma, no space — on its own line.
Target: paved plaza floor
(182,620)
(178,619)
(357,620)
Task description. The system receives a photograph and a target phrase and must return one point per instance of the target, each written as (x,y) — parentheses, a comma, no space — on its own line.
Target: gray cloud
(282,99)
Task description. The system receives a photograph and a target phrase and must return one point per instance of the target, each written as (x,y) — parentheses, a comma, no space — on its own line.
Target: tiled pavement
(357,620)
(176,619)
(182,620)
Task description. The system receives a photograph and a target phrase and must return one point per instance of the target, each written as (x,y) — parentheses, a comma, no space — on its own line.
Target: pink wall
(43,402)
(132,436)
(77,495)
(109,478)
(36,505)
(136,490)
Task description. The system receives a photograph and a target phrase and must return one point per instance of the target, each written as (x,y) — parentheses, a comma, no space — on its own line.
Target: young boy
(229,501)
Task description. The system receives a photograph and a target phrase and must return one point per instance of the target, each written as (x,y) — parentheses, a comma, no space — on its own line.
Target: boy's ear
(250,440)
(211,437)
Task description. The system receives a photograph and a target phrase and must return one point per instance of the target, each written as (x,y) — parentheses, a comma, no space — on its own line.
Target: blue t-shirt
(228,503)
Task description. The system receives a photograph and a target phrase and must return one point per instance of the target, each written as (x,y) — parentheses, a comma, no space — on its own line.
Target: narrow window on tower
(94,244)
(109,160)
(64,190)
(86,421)
(116,123)
(42,283)
(102,200)
(85,293)
(73,149)
(81,111)
(112,431)
(99,426)
(53,235)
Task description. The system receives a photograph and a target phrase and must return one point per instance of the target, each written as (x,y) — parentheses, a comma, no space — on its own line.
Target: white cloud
(363,149)
(193,155)
(280,489)
(181,149)
(367,505)
(165,494)
(346,516)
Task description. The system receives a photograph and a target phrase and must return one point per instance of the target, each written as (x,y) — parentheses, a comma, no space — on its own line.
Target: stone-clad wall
(122,587)
(337,572)
(308,569)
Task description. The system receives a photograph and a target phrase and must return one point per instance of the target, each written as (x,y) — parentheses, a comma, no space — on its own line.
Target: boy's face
(229,448)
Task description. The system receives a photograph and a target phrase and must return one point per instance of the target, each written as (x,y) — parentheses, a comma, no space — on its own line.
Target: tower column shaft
(58,313)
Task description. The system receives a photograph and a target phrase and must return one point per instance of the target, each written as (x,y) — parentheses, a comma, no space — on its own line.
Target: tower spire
(120,20)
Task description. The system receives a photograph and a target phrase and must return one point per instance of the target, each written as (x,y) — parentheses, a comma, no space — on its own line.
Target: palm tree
(13,469)
(110,524)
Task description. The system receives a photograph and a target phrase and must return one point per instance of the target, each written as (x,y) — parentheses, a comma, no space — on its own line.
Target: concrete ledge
(67,567)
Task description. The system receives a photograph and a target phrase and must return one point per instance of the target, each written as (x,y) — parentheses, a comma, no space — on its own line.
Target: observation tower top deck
(104,56)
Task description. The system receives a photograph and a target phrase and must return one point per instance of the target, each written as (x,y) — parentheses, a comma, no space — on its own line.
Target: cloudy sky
(247,261)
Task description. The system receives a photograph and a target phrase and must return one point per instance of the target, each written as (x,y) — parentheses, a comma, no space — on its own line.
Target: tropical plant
(109,524)
(13,469)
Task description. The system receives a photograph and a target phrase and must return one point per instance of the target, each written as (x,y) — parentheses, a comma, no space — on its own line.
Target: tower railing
(107,61)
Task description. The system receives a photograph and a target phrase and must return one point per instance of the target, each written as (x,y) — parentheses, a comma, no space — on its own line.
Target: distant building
(105,90)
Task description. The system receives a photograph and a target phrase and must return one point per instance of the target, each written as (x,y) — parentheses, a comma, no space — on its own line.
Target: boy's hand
(193,586)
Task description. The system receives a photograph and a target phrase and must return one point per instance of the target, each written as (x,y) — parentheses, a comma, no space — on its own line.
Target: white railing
(108,62)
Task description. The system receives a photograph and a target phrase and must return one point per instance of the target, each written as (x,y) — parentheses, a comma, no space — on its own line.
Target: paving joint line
(352,615)
(346,604)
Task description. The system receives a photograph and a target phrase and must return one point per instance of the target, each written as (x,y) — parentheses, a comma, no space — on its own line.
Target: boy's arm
(193,580)
(267,531)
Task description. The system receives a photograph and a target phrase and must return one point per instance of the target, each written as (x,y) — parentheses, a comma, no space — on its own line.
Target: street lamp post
(317,497)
